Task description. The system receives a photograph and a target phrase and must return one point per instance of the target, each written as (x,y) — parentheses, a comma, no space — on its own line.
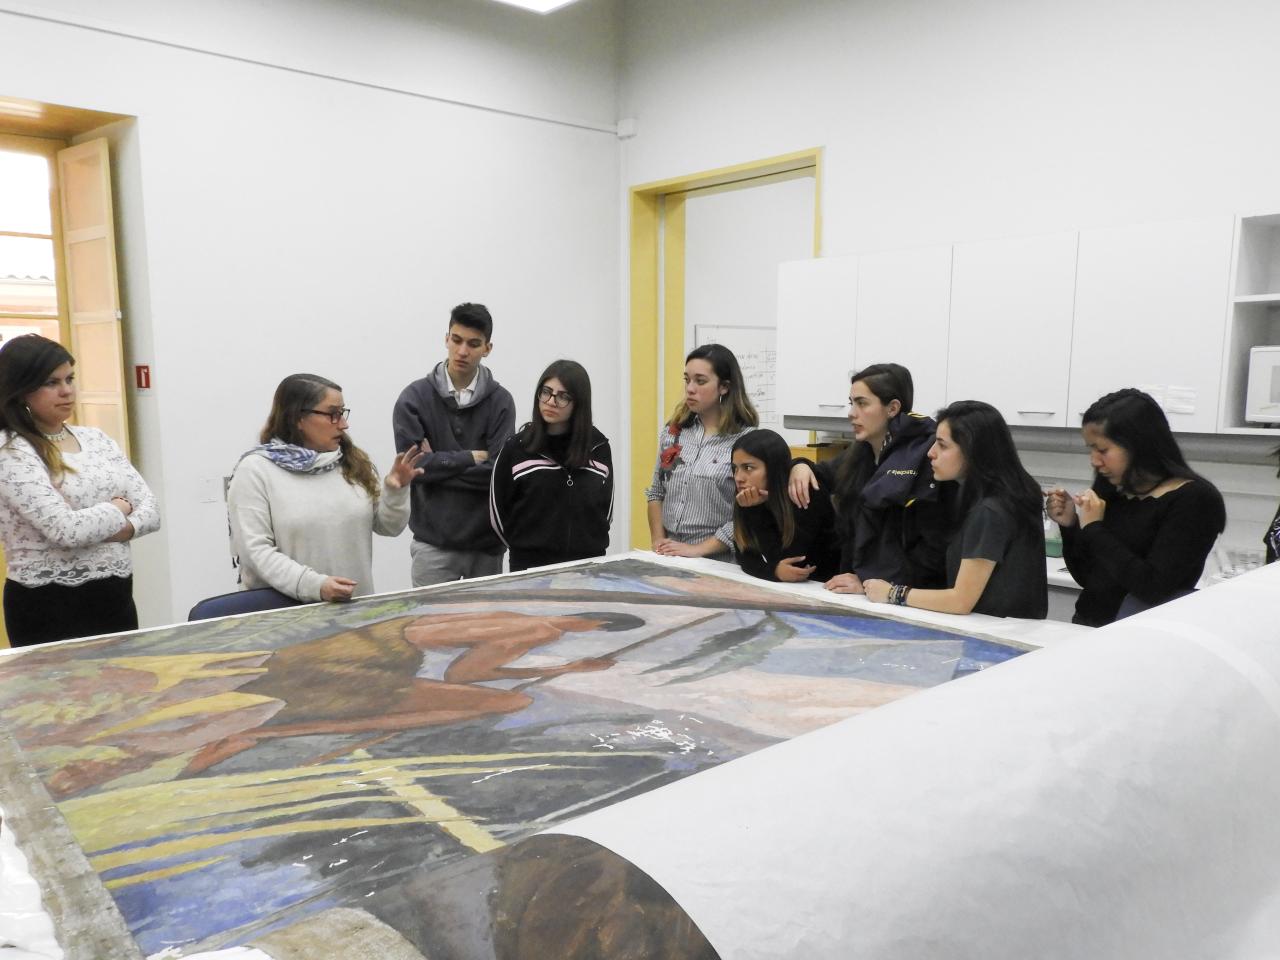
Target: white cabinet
(1149,313)
(817,301)
(903,302)
(1255,316)
(1012,304)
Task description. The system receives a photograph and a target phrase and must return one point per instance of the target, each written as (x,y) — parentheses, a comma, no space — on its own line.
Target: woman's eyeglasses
(556,397)
(335,416)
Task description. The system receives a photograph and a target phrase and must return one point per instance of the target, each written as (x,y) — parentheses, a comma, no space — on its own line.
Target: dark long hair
(736,410)
(533,435)
(889,382)
(300,392)
(25,365)
(771,450)
(1133,420)
(992,467)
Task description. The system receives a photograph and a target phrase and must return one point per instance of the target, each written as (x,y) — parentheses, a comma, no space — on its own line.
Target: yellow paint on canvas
(109,819)
(466,830)
(220,703)
(58,755)
(150,875)
(172,669)
(52,712)
(178,848)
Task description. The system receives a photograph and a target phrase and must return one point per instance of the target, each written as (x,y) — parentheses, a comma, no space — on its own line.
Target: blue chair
(242,601)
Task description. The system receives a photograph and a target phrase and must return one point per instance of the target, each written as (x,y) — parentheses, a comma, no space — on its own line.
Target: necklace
(55,437)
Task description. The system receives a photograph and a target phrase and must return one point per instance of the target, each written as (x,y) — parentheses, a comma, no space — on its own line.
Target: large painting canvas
(228,779)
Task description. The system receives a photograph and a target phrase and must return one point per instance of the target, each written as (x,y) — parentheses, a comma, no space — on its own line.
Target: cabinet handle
(1037,413)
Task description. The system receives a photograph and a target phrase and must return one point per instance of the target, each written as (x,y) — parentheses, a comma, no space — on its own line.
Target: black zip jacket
(546,512)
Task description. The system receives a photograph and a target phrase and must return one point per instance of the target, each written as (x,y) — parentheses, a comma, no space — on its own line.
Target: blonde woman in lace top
(69,505)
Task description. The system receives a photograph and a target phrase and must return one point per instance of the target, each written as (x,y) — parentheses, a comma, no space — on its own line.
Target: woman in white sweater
(69,505)
(304,504)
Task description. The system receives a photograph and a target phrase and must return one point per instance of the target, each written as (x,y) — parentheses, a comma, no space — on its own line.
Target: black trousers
(57,612)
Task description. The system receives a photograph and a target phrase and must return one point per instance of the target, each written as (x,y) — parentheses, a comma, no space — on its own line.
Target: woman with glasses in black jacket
(551,493)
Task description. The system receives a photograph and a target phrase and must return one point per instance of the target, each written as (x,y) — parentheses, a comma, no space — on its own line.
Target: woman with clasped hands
(690,501)
(69,504)
(304,504)
(1140,535)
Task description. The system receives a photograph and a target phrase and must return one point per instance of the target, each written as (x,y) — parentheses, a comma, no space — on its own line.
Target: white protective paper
(1117,796)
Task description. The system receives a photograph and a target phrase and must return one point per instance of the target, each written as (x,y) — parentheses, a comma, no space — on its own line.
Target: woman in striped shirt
(691,496)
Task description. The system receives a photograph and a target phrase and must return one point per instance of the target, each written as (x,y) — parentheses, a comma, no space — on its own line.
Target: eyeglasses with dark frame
(556,397)
(335,416)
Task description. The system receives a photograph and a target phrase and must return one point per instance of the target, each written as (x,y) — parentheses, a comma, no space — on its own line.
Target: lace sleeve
(27,491)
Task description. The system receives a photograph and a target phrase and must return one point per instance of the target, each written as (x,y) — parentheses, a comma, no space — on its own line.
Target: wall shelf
(1254,317)
(1252,431)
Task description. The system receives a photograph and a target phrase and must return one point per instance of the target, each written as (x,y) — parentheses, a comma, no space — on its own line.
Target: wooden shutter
(93,291)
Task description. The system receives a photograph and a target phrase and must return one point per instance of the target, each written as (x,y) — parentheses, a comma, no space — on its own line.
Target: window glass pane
(17,328)
(24,193)
(26,276)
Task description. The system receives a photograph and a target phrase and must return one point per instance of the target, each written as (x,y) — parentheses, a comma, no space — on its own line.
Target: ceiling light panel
(538,6)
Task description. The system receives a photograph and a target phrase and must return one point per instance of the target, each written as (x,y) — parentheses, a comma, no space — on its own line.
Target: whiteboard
(757,351)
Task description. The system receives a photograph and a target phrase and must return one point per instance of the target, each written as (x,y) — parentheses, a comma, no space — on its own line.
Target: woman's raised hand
(1060,506)
(751,497)
(801,482)
(406,466)
(1091,506)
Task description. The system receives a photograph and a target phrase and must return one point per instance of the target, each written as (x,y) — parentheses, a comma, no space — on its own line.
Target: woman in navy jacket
(551,496)
(891,514)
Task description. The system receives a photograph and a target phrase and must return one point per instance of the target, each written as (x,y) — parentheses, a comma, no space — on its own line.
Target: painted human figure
(381,677)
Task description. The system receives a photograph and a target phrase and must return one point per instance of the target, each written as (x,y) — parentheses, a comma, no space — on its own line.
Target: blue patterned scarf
(296,459)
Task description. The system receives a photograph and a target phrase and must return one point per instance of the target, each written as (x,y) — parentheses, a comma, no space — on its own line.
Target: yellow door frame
(651,205)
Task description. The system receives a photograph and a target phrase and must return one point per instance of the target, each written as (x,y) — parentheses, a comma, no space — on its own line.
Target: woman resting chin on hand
(776,540)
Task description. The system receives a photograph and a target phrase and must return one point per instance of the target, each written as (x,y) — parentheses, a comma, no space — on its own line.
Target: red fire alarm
(142,376)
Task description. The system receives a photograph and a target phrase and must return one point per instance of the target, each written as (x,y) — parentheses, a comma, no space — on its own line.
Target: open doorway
(660,330)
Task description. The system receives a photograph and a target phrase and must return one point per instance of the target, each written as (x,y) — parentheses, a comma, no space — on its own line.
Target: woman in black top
(995,561)
(551,495)
(1140,536)
(890,513)
(776,541)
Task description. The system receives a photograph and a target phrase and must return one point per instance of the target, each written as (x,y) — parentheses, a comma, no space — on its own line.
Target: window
(29,254)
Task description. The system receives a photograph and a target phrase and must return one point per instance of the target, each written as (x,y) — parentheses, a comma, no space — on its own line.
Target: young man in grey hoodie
(462,416)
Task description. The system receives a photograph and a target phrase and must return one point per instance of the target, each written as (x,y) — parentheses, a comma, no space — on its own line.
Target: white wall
(946,122)
(275,221)
(735,237)
(956,121)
